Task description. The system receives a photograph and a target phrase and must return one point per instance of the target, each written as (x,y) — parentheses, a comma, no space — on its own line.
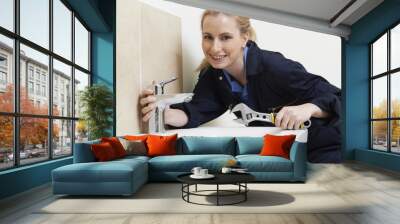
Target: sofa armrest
(83,152)
(298,155)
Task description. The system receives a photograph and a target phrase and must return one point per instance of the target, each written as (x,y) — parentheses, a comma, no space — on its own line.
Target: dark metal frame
(388,74)
(16,115)
(242,191)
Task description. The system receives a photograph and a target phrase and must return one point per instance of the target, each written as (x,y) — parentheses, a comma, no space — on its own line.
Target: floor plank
(377,190)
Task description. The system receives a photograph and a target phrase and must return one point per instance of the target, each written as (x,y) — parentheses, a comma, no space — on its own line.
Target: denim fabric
(119,177)
(83,152)
(193,145)
(249,145)
(259,163)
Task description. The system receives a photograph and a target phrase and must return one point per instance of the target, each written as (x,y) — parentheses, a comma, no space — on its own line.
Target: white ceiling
(325,16)
(321,9)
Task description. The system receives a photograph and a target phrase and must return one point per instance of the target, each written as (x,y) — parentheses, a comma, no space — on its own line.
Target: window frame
(3,77)
(16,114)
(3,71)
(388,74)
(6,61)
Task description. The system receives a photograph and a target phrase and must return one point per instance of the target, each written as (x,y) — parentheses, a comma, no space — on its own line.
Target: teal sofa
(125,176)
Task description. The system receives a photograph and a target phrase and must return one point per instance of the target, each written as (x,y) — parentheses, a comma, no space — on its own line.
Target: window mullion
(371,102)
(73,82)
(389,76)
(50,81)
(371,137)
(16,83)
(89,55)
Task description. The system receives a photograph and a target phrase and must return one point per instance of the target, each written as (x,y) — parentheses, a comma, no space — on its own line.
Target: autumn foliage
(33,131)
(380,127)
(6,122)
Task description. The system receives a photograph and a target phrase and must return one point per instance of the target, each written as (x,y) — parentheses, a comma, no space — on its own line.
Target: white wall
(319,53)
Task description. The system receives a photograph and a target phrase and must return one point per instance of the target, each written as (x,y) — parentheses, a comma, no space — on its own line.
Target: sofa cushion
(134,147)
(277,145)
(185,163)
(249,145)
(83,152)
(112,171)
(136,137)
(131,158)
(193,145)
(103,152)
(159,145)
(93,172)
(116,145)
(257,163)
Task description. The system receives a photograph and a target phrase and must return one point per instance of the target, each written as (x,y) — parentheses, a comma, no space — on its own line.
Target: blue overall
(273,81)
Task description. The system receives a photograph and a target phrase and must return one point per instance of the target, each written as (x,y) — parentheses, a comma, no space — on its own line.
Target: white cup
(196,170)
(226,170)
(203,172)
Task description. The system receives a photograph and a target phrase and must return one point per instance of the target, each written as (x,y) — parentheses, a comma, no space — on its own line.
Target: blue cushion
(249,145)
(193,145)
(133,158)
(111,171)
(185,163)
(298,154)
(83,153)
(93,172)
(118,177)
(257,163)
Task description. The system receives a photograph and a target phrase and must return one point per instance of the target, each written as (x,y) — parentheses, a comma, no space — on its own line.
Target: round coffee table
(238,179)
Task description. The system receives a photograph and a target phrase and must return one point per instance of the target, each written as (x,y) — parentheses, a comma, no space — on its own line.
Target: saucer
(208,176)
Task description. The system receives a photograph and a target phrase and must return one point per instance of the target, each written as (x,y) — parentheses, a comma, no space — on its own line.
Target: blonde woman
(236,70)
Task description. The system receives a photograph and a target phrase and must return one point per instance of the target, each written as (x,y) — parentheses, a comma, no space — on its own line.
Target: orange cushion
(116,145)
(161,145)
(103,151)
(136,137)
(277,145)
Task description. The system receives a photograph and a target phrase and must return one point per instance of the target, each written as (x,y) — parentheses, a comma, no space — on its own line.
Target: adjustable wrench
(249,115)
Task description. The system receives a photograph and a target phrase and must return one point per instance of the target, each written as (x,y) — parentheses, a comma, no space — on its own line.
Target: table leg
(188,189)
(196,188)
(182,190)
(217,194)
(245,193)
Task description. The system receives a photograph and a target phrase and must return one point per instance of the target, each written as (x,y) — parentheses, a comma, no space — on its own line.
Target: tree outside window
(35,143)
(385,96)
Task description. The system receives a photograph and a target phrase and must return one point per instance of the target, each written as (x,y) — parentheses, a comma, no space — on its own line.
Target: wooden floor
(377,188)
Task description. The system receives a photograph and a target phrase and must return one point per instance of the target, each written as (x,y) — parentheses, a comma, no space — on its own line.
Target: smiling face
(222,41)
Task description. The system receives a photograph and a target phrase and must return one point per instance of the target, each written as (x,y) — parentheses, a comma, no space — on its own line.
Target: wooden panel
(148,48)
(161,48)
(128,63)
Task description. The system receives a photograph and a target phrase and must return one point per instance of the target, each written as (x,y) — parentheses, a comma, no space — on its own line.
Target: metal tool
(159,87)
(248,115)
(156,122)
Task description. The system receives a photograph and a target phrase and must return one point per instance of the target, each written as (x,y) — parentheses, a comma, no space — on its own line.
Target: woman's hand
(173,117)
(147,102)
(292,117)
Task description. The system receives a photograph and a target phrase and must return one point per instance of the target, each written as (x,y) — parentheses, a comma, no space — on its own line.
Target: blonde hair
(244,28)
